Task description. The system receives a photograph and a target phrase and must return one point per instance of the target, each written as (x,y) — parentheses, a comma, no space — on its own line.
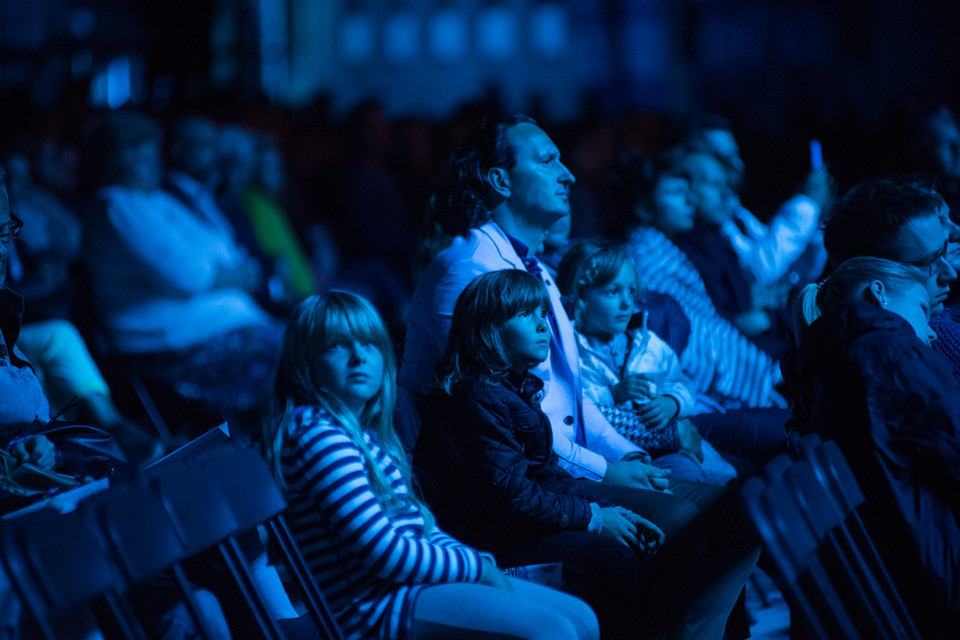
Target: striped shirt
(720,361)
(369,563)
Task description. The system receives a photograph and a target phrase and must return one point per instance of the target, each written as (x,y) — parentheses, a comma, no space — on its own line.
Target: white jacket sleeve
(767,251)
(671,381)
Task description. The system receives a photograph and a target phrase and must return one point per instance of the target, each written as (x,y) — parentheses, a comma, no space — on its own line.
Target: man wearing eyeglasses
(905,220)
(899,219)
(8,231)
(22,400)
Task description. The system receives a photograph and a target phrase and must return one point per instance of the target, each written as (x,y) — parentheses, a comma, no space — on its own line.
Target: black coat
(892,403)
(485,462)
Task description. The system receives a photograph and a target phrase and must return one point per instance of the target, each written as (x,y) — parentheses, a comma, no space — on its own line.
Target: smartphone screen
(816,155)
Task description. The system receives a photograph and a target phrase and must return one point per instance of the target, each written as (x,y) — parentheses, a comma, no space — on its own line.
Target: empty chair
(140,538)
(203,519)
(828,567)
(832,495)
(254,497)
(794,547)
(57,569)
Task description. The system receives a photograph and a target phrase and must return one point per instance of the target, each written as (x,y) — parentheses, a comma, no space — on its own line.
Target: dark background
(851,73)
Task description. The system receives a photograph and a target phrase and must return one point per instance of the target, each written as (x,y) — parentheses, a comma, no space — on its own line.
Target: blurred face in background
(270,169)
(724,145)
(945,147)
(673,206)
(194,150)
(237,157)
(710,185)
(140,167)
(557,235)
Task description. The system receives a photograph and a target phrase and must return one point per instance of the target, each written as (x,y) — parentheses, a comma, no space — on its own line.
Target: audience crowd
(493,361)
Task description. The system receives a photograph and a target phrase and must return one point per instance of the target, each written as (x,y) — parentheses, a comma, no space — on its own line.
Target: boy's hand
(657,413)
(633,473)
(634,387)
(629,529)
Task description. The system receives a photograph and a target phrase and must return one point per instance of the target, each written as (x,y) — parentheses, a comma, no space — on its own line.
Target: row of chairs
(805,507)
(93,558)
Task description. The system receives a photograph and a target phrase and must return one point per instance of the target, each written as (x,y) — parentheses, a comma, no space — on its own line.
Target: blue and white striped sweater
(369,563)
(720,361)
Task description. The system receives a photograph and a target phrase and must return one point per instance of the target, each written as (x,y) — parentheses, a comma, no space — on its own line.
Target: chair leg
(186,588)
(316,603)
(151,408)
(116,619)
(311,593)
(237,565)
(898,616)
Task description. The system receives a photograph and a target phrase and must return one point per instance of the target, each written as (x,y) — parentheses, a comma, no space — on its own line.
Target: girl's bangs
(347,320)
(524,294)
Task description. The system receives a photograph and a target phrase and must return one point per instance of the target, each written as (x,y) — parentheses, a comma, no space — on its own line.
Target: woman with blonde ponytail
(867,279)
(866,377)
(371,543)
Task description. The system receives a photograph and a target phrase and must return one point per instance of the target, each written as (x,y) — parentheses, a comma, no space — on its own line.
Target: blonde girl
(632,375)
(372,545)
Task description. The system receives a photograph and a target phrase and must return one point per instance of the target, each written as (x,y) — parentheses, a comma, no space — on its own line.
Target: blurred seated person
(195,173)
(236,159)
(51,247)
(173,287)
(935,152)
(720,361)
(866,377)
(275,231)
(741,412)
(788,248)
(58,355)
(757,309)
(21,397)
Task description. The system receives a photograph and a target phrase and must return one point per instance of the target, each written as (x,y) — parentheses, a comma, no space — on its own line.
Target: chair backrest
(796,547)
(817,495)
(196,507)
(137,530)
(841,481)
(55,564)
(247,486)
(834,497)
(785,553)
(254,498)
(814,500)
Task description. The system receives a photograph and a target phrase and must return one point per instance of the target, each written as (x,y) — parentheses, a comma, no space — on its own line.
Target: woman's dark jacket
(892,403)
(485,462)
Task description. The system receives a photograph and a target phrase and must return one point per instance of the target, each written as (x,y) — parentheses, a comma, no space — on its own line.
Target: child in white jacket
(633,376)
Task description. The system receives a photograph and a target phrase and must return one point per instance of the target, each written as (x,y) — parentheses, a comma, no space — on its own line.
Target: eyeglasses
(11,230)
(929,264)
